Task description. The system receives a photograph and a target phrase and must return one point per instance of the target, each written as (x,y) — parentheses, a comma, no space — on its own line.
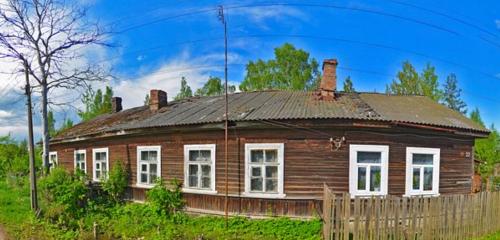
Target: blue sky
(157,42)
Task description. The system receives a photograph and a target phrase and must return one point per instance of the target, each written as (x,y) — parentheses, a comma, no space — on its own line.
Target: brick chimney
(328,84)
(157,99)
(116,104)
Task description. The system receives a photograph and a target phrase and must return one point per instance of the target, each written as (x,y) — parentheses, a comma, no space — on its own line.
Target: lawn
(132,221)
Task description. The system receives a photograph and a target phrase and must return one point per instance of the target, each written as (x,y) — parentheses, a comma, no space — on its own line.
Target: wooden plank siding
(309,162)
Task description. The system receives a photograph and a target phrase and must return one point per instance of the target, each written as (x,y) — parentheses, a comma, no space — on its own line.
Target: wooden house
(282,147)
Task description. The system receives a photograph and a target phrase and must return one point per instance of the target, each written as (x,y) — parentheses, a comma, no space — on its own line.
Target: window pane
(272,155)
(144,155)
(193,181)
(375,178)
(153,155)
(97,166)
(83,166)
(271,185)
(205,182)
(193,170)
(361,178)
(256,184)
(416,178)
(144,168)
(427,178)
(98,174)
(144,178)
(205,155)
(256,171)
(423,158)
(271,172)
(256,156)
(104,167)
(369,157)
(153,168)
(194,155)
(205,170)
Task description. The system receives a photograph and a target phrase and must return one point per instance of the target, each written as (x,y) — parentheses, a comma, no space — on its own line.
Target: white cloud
(260,15)
(19,131)
(5,114)
(167,77)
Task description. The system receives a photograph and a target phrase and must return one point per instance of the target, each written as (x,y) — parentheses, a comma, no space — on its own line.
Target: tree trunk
(45,130)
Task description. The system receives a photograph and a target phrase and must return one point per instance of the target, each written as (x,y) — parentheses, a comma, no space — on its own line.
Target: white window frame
(53,164)
(98,150)
(139,162)
(281,169)
(436,152)
(353,169)
(190,147)
(84,152)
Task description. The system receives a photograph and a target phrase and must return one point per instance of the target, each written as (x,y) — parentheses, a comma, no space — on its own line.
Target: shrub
(117,182)
(165,201)
(65,192)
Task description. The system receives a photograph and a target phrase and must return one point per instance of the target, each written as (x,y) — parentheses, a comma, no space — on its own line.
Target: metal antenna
(226,117)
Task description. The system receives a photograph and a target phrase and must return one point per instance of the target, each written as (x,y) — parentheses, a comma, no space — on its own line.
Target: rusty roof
(279,105)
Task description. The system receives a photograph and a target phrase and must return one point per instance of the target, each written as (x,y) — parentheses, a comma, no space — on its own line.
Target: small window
(52,160)
(148,165)
(368,170)
(80,160)
(422,171)
(199,168)
(101,163)
(264,170)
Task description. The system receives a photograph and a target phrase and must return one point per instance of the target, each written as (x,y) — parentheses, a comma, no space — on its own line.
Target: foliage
(291,69)
(116,183)
(348,86)
(185,91)
(409,82)
(96,103)
(146,100)
(165,201)
(214,87)
(486,150)
(67,123)
(451,95)
(64,194)
(14,157)
(53,131)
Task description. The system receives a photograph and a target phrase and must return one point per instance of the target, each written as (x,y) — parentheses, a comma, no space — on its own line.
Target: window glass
(369,157)
(199,170)
(423,159)
(428,178)
(416,179)
(361,178)
(271,155)
(375,178)
(256,156)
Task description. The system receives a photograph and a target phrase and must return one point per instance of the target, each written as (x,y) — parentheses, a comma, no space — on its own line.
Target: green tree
(146,100)
(475,115)
(409,82)
(348,86)
(51,124)
(214,87)
(96,103)
(67,123)
(185,91)
(291,69)
(451,95)
(486,150)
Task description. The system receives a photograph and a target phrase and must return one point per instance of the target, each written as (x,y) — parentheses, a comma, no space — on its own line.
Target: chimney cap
(330,61)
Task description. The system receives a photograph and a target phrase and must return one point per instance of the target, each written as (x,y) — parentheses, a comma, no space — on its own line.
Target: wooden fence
(390,217)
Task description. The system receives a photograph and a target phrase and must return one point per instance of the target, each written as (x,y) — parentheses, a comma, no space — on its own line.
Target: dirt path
(3,234)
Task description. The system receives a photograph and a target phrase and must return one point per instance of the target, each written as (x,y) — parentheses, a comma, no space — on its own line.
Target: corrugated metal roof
(279,105)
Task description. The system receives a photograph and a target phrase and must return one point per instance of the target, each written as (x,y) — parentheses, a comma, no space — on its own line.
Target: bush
(117,182)
(64,194)
(164,201)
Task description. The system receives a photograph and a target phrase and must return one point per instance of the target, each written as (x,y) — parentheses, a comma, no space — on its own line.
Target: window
(148,165)
(52,160)
(101,163)
(264,164)
(80,162)
(422,171)
(199,168)
(368,169)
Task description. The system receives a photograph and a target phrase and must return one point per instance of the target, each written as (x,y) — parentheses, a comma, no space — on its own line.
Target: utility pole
(226,117)
(31,145)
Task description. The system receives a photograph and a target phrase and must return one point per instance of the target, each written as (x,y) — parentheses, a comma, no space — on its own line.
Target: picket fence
(390,217)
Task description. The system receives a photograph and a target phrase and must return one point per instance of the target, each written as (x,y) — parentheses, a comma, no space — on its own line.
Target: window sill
(367,195)
(147,186)
(199,191)
(422,195)
(263,195)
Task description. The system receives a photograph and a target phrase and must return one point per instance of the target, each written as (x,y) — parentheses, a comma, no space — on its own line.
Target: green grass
(493,236)
(133,221)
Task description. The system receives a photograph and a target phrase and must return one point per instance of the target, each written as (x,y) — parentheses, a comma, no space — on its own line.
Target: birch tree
(48,37)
